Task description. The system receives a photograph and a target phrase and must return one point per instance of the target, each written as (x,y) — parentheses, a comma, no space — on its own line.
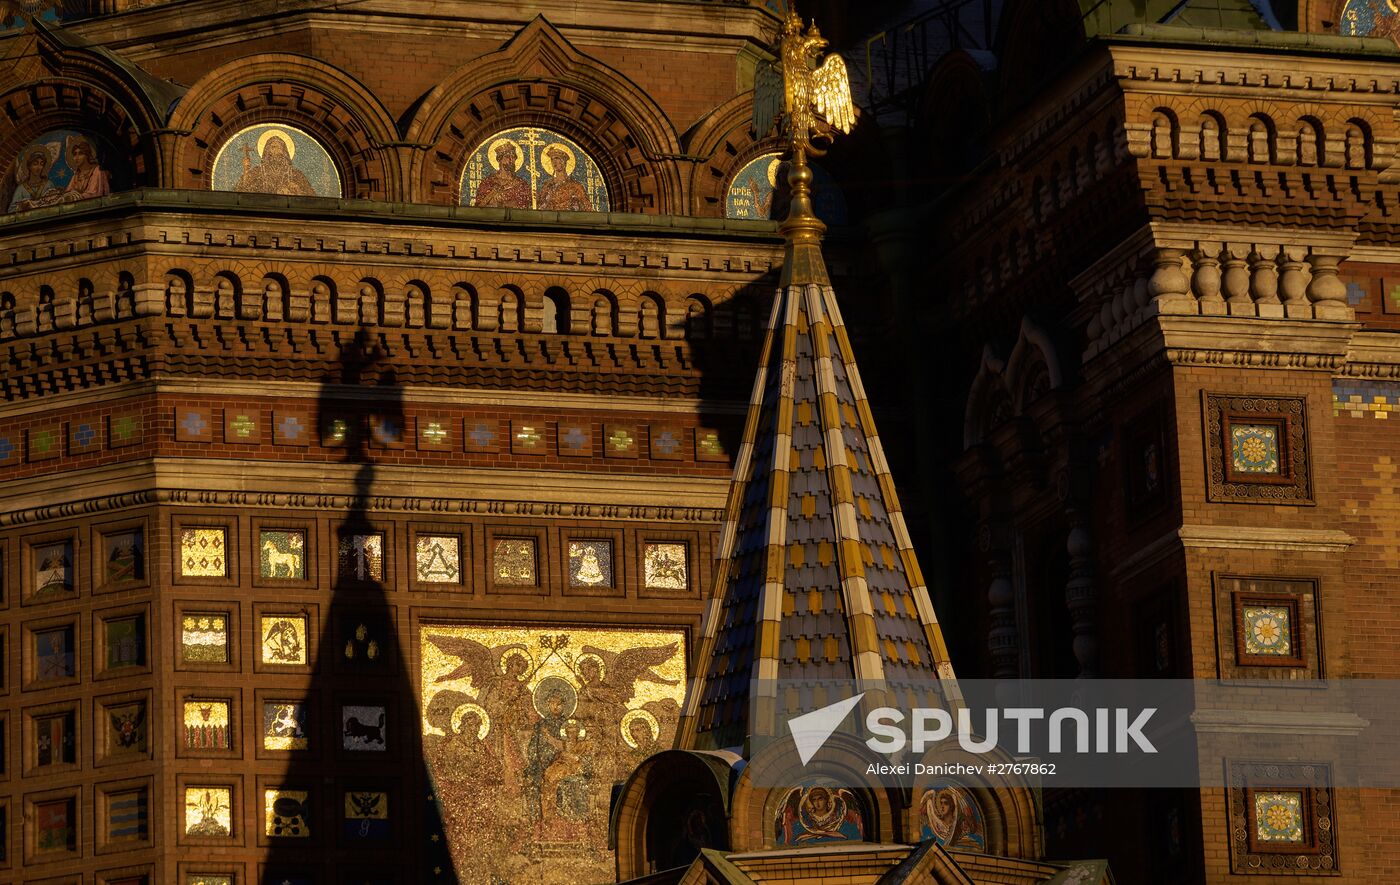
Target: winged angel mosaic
(526,731)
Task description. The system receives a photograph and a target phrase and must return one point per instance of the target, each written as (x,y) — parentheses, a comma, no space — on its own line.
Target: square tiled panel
(203,553)
(284,640)
(1257,450)
(208,811)
(204,637)
(1282,818)
(665,566)
(1254,449)
(590,563)
(437,559)
(1268,627)
(207,724)
(514,562)
(1278,817)
(361,557)
(282,554)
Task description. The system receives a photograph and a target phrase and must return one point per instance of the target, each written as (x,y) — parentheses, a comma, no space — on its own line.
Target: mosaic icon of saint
(504,188)
(953,819)
(274,173)
(33,187)
(89,178)
(819,814)
(560,192)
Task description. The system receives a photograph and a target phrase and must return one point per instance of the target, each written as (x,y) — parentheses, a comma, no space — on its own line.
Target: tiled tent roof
(817,579)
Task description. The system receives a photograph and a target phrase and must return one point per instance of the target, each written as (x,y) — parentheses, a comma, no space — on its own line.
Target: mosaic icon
(207,725)
(55,739)
(1278,817)
(513,562)
(760,191)
(1369,18)
(53,568)
(817,813)
(59,167)
(590,564)
(1254,449)
(128,816)
(1267,630)
(282,554)
(366,814)
(664,566)
(54,656)
(204,638)
(531,168)
(275,159)
(287,814)
(362,728)
(123,556)
(126,642)
(437,559)
(952,817)
(202,553)
(284,640)
(362,557)
(208,811)
(284,726)
(126,728)
(55,825)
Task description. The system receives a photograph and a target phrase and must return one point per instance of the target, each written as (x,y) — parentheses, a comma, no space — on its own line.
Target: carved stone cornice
(435,492)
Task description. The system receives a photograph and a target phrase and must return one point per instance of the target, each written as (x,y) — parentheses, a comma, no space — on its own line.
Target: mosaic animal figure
(277,561)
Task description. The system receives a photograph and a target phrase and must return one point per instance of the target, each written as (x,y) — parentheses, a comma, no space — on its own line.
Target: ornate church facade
(382,460)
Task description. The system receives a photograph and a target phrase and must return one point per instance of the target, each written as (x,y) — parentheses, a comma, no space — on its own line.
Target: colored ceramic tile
(194,424)
(666,442)
(385,431)
(54,654)
(575,439)
(123,557)
(125,641)
(620,441)
(527,438)
(124,429)
(336,432)
(1254,448)
(84,436)
(53,568)
(242,427)
(1278,817)
(56,826)
(435,434)
(55,739)
(9,449)
(45,442)
(128,816)
(126,728)
(482,436)
(366,815)
(291,428)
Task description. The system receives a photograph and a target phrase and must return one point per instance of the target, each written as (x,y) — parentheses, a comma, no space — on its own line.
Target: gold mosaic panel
(590,564)
(526,730)
(202,553)
(208,811)
(208,879)
(438,559)
(206,725)
(1278,817)
(284,640)
(282,554)
(514,563)
(664,566)
(362,557)
(285,726)
(204,638)
(286,814)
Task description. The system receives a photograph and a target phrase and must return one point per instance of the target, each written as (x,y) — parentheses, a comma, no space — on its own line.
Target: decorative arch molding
(49,85)
(647,799)
(725,138)
(1013,817)
(320,99)
(987,396)
(539,79)
(1038,38)
(1006,388)
(957,106)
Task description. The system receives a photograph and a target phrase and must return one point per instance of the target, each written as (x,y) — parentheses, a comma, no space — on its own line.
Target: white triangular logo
(810,730)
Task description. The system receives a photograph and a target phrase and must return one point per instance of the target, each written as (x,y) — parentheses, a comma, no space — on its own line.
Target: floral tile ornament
(575,438)
(206,724)
(284,640)
(361,557)
(194,424)
(514,562)
(1281,818)
(1257,449)
(291,427)
(590,564)
(1278,817)
(241,426)
(665,566)
(436,434)
(1267,629)
(282,554)
(667,442)
(84,436)
(204,638)
(286,814)
(528,438)
(285,726)
(1254,448)
(45,442)
(437,559)
(9,449)
(203,553)
(209,811)
(123,557)
(124,429)
(482,436)
(620,441)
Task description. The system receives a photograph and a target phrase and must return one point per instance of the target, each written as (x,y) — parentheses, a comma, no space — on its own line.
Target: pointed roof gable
(817,577)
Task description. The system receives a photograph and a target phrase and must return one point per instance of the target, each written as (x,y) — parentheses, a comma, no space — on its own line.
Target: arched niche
(527,167)
(274,158)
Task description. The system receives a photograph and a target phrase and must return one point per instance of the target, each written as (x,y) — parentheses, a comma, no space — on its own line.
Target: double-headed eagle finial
(797,90)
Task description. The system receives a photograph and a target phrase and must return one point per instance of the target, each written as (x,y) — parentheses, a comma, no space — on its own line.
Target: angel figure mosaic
(528,729)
